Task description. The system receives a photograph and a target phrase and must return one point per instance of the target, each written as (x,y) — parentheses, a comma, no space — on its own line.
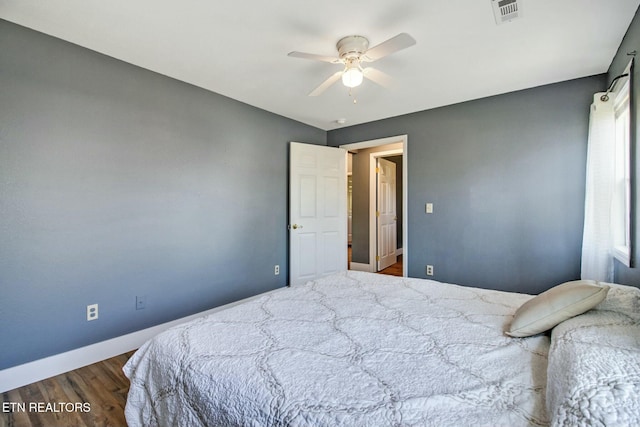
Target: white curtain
(597,239)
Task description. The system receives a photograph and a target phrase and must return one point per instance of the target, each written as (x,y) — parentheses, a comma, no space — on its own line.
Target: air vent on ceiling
(506,10)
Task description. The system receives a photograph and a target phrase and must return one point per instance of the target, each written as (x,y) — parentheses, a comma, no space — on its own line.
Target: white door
(317,212)
(386,214)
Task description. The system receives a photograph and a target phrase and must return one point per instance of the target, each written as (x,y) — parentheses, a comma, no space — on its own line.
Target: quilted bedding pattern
(353,349)
(594,362)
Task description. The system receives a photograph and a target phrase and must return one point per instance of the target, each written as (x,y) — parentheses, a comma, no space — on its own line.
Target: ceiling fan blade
(325,84)
(377,76)
(315,57)
(394,44)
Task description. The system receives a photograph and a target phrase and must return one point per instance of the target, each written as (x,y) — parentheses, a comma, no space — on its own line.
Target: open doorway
(370,234)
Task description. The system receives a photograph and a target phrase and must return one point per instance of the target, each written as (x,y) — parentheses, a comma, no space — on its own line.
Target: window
(607,216)
(622,184)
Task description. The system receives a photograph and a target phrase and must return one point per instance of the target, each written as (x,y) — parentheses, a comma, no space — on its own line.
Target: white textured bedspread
(594,364)
(355,349)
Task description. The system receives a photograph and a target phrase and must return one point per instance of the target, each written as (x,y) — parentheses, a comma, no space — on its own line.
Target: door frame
(404,139)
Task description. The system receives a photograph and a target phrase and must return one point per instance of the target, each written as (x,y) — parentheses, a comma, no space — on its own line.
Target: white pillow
(556,305)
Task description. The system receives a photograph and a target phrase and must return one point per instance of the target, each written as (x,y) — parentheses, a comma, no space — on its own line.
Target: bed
(362,349)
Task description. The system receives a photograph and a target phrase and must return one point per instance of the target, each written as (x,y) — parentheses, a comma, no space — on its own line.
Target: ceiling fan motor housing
(353,50)
(352,47)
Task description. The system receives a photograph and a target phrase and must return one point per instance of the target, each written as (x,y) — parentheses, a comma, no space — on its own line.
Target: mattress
(352,349)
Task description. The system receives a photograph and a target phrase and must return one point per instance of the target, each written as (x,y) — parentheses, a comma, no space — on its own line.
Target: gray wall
(116,182)
(506,177)
(631,42)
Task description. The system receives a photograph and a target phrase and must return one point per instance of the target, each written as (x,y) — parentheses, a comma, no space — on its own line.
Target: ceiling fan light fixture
(352,77)
(352,52)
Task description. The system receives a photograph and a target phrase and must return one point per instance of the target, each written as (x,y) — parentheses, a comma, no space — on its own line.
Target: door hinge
(377,257)
(377,170)
(377,213)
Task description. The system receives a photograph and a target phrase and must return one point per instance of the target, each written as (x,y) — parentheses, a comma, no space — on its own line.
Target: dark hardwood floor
(91,396)
(395,269)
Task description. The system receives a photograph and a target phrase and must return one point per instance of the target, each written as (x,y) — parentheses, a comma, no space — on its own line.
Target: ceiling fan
(353,51)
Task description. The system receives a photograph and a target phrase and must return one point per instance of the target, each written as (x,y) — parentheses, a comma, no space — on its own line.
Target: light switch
(428,208)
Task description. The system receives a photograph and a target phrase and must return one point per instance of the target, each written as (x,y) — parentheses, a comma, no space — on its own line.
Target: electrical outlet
(276,270)
(92,312)
(429,270)
(141,302)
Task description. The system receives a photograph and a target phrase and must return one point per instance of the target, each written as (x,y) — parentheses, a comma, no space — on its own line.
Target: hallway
(393,270)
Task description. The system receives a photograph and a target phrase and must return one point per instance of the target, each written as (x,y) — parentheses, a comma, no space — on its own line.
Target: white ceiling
(238,48)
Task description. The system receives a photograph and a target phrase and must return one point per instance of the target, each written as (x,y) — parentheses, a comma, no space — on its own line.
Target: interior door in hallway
(386,214)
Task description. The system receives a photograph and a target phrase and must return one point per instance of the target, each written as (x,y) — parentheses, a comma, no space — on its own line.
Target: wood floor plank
(52,392)
(100,405)
(117,392)
(102,385)
(32,394)
(14,419)
(110,401)
(395,269)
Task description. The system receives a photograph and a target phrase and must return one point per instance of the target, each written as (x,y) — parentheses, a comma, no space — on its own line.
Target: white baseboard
(399,251)
(356,266)
(48,367)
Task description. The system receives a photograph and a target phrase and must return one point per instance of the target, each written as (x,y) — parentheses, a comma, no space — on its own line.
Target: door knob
(296,226)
